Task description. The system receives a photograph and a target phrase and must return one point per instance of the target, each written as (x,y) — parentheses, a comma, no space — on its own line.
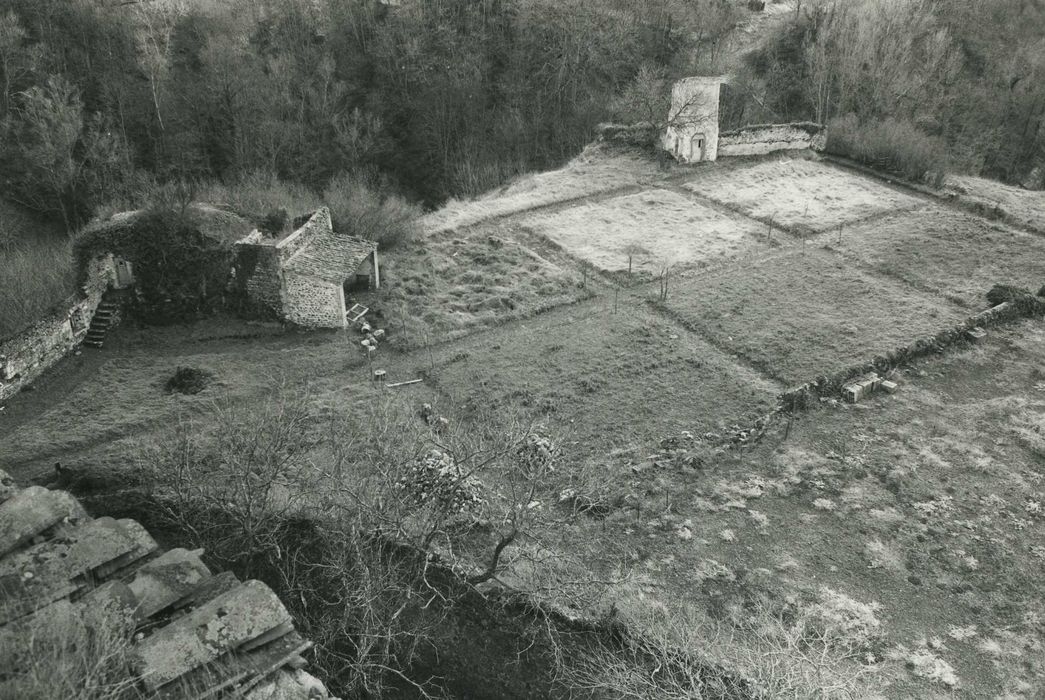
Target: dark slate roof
(66,578)
(330,256)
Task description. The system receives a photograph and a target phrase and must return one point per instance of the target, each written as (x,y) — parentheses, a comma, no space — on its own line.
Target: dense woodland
(103,103)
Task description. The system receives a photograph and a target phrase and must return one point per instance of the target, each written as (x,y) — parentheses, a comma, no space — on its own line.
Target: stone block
(60,567)
(33,511)
(168,579)
(8,487)
(976,334)
(890,387)
(204,635)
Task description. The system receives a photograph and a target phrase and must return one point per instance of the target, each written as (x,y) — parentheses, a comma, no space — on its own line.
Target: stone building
(692,132)
(307,276)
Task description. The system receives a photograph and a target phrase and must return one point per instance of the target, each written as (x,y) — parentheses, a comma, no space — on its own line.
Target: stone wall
(317,224)
(766,138)
(312,303)
(26,355)
(259,278)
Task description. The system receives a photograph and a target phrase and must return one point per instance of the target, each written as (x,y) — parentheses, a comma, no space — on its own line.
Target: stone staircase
(68,580)
(105,317)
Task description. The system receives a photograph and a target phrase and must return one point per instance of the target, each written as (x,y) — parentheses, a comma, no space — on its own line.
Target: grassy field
(601,167)
(918,519)
(1024,208)
(803,194)
(671,228)
(948,251)
(446,285)
(617,380)
(807,312)
(910,525)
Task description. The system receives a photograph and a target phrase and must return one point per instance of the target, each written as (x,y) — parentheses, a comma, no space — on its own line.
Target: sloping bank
(469,643)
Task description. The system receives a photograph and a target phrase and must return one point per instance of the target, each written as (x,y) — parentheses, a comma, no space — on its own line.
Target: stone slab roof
(314,250)
(67,578)
(330,256)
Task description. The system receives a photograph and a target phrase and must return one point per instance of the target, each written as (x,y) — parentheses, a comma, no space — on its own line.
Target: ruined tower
(692,131)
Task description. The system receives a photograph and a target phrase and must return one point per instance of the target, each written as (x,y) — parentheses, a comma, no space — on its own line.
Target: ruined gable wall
(318,224)
(26,355)
(259,278)
(766,138)
(313,303)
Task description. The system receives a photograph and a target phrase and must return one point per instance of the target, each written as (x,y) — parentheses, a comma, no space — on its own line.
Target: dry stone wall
(27,354)
(766,138)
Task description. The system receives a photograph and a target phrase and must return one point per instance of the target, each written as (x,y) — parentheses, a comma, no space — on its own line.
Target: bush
(892,145)
(357,208)
(257,194)
(1001,293)
(188,380)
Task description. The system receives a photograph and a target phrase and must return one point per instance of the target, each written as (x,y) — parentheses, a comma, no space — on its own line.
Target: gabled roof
(324,254)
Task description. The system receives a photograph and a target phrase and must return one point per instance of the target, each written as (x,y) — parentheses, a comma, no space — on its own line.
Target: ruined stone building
(692,132)
(307,276)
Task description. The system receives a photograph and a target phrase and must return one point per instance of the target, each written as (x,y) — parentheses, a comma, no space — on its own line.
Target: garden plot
(807,312)
(667,227)
(954,253)
(614,378)
(450,284)
(599,168)
(802,194)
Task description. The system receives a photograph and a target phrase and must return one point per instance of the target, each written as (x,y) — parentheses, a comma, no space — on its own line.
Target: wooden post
(616,293)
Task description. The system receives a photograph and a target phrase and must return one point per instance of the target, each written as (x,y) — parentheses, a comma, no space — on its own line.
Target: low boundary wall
(27,354)
(806,395)
(759,139)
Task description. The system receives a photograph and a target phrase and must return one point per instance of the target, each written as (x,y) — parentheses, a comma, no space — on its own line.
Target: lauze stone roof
(327,255)
(66,578)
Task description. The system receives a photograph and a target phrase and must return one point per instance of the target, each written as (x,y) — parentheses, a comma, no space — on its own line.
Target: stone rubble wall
(318,224)
(259,277)
(766,138)
(832,386)
(183,632)
(27,354)
(313,303)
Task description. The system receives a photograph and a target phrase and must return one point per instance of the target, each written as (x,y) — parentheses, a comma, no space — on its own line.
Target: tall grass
(36,269)
(894,145)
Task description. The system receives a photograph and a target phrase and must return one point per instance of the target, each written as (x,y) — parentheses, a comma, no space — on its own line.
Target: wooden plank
(409,381)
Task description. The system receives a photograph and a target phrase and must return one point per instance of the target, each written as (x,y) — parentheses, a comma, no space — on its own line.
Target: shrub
(1001,293)
(255,195)
(893,145)
(358,208)
(188,380)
